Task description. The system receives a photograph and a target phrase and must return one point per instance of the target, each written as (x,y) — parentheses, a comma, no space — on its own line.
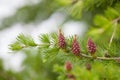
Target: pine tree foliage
(46,61)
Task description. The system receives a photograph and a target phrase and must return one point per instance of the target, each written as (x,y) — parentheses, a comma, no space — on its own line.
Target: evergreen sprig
(50,44)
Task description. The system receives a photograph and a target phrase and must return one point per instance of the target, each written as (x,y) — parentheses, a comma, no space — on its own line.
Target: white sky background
(9,7)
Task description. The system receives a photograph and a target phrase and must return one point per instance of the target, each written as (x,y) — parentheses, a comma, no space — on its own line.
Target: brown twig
(100,58)
(116,20)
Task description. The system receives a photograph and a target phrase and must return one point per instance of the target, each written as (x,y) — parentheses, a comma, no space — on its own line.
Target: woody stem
(100,58)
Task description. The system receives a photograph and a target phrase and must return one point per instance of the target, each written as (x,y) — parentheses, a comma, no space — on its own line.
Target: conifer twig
(84,55)
(37,45)
(100,58)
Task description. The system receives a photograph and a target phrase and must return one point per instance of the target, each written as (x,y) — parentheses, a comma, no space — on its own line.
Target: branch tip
(60,30)
(75,36)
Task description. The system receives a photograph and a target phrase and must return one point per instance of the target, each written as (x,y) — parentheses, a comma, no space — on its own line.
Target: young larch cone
(61,40)
(75,47)
(91,46)
(68,66)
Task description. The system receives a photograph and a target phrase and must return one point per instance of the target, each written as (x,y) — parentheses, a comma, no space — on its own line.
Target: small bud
(88,66)
(106,54)
(68,66)
(71,77)
(75,47)
(91,46)
(61,40)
